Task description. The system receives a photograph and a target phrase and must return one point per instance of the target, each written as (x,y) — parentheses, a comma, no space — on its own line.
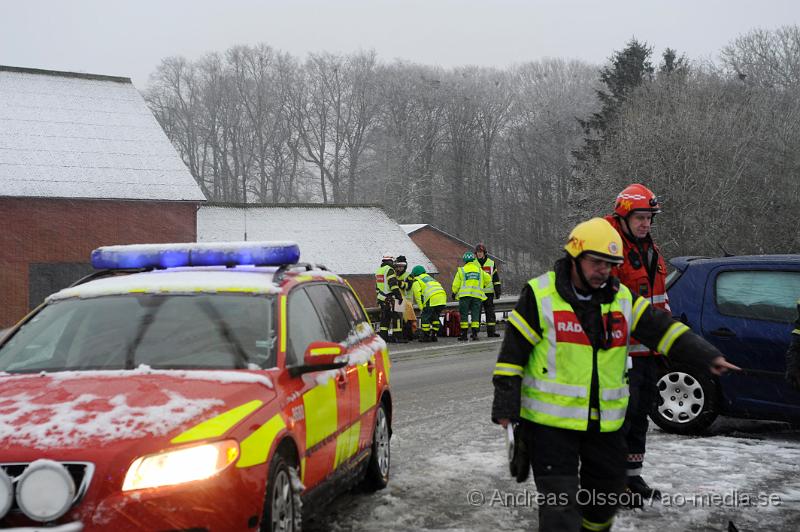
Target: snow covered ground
(449,472)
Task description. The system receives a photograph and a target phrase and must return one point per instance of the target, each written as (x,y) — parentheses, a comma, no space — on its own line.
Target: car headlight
(187,464)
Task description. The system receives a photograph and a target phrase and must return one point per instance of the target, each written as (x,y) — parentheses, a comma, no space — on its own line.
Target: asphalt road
(449,470)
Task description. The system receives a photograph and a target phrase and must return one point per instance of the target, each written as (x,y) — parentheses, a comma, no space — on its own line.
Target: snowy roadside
(460,482)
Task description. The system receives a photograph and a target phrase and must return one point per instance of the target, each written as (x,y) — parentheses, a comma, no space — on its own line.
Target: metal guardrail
(502,307)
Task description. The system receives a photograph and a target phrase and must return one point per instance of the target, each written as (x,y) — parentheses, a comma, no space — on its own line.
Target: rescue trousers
(488,311)
(642,379)
(470,309)
(429,320)
(389,319)
(579,475)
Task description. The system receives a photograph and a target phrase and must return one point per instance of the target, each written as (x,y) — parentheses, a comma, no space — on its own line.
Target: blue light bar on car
(195,254)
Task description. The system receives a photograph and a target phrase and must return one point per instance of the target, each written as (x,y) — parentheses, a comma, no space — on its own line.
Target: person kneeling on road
(431,298)
(562,374)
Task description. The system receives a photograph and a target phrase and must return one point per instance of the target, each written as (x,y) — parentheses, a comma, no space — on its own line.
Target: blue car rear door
(748,313)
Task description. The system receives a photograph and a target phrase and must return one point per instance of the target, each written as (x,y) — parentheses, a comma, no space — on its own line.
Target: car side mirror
(320,356)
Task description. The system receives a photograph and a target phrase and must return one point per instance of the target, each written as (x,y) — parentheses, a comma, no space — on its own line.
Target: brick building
(444,250)
(83,163)
(349,240)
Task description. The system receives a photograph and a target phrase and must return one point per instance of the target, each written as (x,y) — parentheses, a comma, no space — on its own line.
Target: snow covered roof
(349,240)
(68,135)
(411,228)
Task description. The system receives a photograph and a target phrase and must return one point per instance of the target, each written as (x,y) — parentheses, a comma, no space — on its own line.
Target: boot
(423,336)
(490,332)
(474,334)
(642,492)
(463,337)
(399,339)
(434,336)
(384,335)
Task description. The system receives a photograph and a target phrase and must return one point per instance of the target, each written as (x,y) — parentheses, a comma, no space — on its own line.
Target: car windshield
(162,331)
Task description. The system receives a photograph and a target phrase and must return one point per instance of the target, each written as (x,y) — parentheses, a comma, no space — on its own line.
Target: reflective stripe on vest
(403,279)
(432,287)
(471,281)
(557,379)
(382,276)
(543,282)
(488,267)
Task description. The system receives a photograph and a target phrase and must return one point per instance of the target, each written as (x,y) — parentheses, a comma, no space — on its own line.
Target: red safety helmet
(635,198)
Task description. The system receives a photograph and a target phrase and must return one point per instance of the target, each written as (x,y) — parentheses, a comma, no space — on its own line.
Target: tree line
(511,157)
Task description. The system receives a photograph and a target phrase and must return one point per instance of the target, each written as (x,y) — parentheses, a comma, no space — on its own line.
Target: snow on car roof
(249,280)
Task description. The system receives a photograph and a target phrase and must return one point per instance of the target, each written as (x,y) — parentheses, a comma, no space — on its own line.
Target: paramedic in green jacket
(431,299)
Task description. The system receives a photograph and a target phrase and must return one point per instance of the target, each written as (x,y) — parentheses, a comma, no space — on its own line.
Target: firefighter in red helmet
(644,272)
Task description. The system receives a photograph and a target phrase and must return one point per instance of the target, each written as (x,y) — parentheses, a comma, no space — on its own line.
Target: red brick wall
(444,252)
(364,287)
(58,230)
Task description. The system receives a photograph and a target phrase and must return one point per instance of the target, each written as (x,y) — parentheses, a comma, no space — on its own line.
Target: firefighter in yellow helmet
(562,376)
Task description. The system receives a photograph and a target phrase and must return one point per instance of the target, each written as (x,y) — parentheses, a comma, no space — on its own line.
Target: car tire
(281,503)
(687,400)
(377,474)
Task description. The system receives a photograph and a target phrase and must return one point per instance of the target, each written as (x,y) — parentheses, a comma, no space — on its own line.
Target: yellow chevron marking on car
(368,387)
(255,448)
(283,324)
(218,425)
(320,407)
(303,470)
(302,278)
(387,364)
(347,444)
(325,351)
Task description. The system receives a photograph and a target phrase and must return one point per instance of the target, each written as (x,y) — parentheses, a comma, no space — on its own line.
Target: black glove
(453,295)
(497,291)
(519,460)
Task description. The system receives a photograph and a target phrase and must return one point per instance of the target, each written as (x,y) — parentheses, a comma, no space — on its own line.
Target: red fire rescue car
(191,387)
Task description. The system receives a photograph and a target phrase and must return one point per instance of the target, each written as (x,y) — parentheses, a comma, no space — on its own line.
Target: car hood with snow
(74,411)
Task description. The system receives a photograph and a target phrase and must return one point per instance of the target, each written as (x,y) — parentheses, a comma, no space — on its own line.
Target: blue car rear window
(764,295)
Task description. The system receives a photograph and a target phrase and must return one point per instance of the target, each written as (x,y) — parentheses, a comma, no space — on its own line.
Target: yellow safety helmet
(596,237)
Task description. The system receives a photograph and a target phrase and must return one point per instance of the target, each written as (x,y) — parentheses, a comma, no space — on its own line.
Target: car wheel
(377,475)
(281,505)
(686,401)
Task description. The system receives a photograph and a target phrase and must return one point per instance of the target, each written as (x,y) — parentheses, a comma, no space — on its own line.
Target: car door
(337,327)
(748,313)
(322,402)
(365,378)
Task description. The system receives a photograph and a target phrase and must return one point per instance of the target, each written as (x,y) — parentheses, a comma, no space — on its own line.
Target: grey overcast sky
(130,37)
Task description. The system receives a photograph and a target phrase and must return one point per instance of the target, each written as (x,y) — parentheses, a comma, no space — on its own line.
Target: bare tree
(769,58)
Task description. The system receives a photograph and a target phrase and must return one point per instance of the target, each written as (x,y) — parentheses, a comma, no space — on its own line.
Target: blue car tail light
(265,253)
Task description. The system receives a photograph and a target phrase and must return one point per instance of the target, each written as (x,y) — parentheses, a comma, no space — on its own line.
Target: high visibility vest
(382,277)
(469,281)
(405,284)
(557,379)
(428,292)
(488,267)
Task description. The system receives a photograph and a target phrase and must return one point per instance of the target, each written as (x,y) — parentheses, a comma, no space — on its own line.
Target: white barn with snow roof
(83,163)
(349,240)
